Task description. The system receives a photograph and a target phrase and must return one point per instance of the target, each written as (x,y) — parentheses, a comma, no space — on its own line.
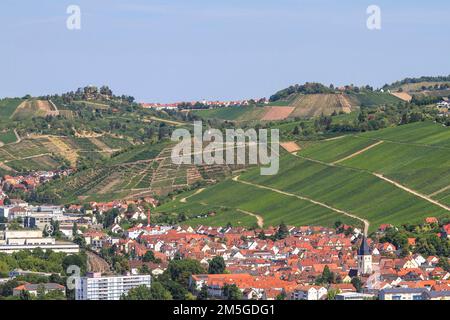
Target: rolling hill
(394,175)
(145,170)
(301,105)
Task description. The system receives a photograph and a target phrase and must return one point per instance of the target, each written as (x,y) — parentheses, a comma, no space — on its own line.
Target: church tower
(364,258)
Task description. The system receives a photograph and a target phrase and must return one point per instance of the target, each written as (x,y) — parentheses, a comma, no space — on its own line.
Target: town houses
(310,263)
(203,104)
(276,262)
(30,181)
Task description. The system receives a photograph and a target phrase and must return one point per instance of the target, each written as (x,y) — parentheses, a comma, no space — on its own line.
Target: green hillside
(305,106)
(235,113)
(225,198)
(8,107)
(372,99)
(349,185)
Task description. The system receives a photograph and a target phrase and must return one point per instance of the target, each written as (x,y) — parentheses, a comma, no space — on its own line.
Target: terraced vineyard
(304,106)
(311,105)
(383,181)
(38,152)
(144,176)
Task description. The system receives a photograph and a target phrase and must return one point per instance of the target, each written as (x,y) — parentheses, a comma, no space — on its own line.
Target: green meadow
(8,106)
(417,160)
(226,197)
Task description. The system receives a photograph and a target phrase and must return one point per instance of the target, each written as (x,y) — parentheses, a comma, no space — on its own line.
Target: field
(233,113)
(274,208)
(312,105)
(315,188)
(31,108)
(332,150)
(372,99)
(402,95)
(7,137)
(8,107)
(93,104)
(414,87)
(303,106)
(142,171)
(277,113)
(27,154)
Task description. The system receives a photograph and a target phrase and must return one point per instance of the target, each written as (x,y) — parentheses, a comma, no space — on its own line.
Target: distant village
(204,104)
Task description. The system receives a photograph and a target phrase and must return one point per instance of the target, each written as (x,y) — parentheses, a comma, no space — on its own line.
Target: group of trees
(281,233)
(155,292)
(328,277)
(307,88)
(175,284)
(368,119)
(104,93)
(39,260)
(417,80)
(427,242)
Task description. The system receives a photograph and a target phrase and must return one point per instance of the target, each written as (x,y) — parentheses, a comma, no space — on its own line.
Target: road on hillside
(364,221)
(380,176)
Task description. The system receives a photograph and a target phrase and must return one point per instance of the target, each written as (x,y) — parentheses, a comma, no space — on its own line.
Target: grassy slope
(333,150)
(357,192)
(354,190)
(305,106)
(418,86)
(370,99)
(8,137)
(233,113)
(424,168)
(7,108)
(274,208)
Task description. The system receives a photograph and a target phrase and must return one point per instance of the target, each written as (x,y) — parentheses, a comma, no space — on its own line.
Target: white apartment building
(97,287)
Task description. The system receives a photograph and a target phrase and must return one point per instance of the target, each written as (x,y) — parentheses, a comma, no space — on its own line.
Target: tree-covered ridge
(417,80)
(307,88)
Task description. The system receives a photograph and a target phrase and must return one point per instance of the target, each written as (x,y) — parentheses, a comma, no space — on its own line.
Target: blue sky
(178,50)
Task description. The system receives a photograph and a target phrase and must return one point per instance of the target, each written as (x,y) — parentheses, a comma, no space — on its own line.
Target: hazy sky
(177,50)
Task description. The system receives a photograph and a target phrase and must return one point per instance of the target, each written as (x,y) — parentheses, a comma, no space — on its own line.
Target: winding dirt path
(359,152)
(414,192)
(172,122)
(259,219)
(19,139)
(364,221)
(184,200)
(439,191)
(380,176)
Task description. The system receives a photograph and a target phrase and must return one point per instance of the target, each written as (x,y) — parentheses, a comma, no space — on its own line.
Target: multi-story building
(402,294)
(13,241)
(97,287)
